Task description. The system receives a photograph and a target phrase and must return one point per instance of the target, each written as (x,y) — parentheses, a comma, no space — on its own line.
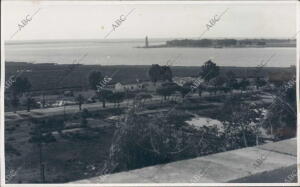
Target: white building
(182,80)
(143,86)
(127,87)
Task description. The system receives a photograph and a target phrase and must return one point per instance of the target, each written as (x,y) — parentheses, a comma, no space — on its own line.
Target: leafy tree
(29,102)
(200,89)
(184,90)
(15,102)
(117,98)
(20,86)
(94,78)
(209,71)
(164,92)
(166,73)
(154,73)
(140,141)
(41,134)
(104,95)
(218,82)
(241,123)
(160,73)
(260,82)
(196,86)
(243,84)
(80,99)
(84,115)
(281,118)
(231,81)
(167,89)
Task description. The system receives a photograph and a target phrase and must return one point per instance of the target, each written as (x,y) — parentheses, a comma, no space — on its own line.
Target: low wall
(268,163)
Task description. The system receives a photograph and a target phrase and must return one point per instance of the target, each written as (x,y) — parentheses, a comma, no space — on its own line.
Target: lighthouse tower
(146,42)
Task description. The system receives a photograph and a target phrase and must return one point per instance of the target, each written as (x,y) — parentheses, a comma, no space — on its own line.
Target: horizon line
(154,38)
(144,65)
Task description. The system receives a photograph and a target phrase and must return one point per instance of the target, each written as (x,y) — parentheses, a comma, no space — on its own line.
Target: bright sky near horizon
(93,20)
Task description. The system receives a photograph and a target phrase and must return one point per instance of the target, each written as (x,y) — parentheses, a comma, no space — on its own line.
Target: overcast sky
(93,20)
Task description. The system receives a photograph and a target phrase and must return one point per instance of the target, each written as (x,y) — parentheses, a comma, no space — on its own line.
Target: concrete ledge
(269,163)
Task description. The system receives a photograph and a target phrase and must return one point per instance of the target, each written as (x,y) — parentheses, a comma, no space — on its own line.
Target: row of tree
(211,43)
(209,73)
(213,82)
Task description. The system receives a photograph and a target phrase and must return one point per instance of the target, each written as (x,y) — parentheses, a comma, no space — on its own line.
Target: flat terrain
(53,77)
(78,153)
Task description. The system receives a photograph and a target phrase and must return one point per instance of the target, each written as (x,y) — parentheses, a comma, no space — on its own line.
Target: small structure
(182,80)
(146,42)
(127,87)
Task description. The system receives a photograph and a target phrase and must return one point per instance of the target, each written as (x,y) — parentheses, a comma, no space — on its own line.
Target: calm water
(124,52)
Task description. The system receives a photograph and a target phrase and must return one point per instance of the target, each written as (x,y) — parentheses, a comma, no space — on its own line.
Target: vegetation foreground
(136,128)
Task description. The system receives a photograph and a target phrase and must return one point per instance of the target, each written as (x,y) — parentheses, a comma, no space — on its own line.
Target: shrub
(9,149)
(241,123)
(141,141)
(281,118)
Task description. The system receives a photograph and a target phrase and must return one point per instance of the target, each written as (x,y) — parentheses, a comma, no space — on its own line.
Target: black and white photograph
(149,92)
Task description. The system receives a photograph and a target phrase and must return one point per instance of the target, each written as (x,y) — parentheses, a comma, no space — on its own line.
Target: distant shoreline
(152,40)
(166,46)
(224,43)
(20,64)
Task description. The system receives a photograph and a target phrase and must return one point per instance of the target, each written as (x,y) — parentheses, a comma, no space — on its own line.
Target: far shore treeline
(50,76)
(220,43)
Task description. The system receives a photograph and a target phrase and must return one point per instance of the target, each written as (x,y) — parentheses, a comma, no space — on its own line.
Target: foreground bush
(281,119)
(242,122)
(142,141)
